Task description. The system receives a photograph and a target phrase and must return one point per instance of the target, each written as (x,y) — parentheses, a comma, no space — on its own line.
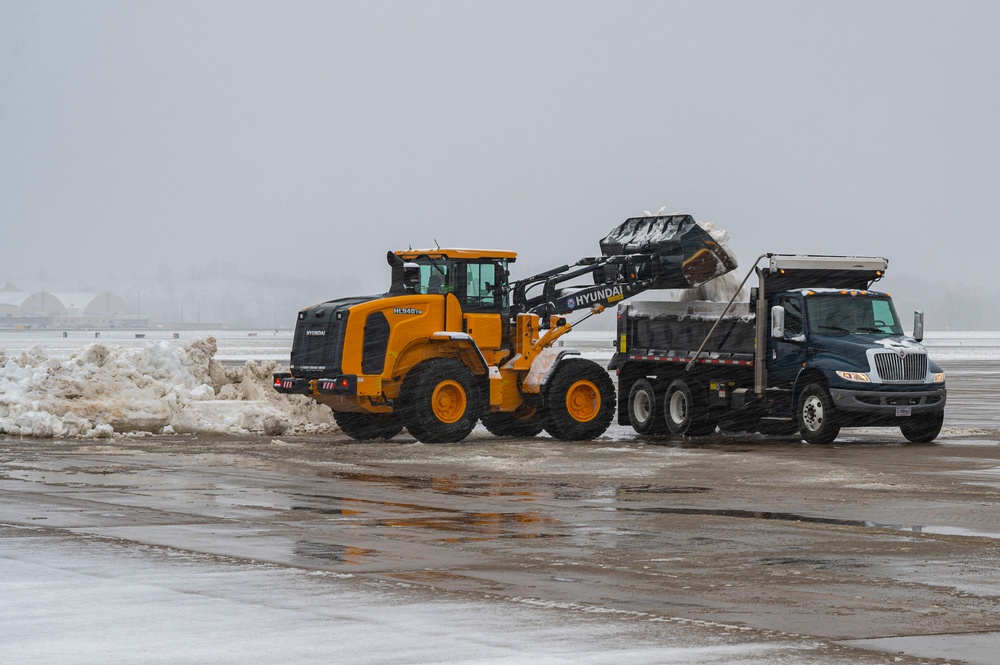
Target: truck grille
(893,367)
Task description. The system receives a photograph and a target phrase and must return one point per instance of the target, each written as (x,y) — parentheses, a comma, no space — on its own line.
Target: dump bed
(677,329)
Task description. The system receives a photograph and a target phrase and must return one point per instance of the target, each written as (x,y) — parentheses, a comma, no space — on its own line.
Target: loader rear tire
(368,426)
(440,401)
(579,400)
(519,425)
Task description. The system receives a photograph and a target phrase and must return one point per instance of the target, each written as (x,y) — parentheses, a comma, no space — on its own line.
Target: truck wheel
(368,426)
(580,401)
(524,423)
(922,428)
(645,409)
(440,402)
(683,414)
(818,421)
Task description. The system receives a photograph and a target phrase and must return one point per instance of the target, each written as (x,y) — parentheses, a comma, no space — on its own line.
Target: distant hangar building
(71,310)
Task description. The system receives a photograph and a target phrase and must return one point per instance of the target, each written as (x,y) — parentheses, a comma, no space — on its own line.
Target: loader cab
(478,279)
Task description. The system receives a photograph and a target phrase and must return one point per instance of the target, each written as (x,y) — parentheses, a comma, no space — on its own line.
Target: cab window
(436,277)
(793,315)
(484,286)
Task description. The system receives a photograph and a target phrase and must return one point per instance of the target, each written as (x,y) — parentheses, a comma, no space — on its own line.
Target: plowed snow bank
(159,388)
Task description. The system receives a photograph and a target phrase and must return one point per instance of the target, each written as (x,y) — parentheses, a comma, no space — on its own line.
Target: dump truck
(813,350)
(455,341)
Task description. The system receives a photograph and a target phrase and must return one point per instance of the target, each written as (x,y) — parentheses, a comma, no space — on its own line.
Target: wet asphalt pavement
(879,550)
(863,540)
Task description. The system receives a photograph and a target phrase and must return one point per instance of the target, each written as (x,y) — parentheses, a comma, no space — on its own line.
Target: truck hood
(853,349)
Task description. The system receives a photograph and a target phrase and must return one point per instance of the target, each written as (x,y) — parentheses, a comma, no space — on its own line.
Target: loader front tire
(579,400)
(440,401)
(368,426)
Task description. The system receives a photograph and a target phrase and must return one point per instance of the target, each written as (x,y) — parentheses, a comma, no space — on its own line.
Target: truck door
(785,356)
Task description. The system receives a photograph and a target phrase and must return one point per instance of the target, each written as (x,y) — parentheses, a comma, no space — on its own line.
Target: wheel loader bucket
(681,253)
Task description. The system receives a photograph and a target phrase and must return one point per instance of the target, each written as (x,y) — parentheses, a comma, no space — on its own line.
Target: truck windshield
(843,314)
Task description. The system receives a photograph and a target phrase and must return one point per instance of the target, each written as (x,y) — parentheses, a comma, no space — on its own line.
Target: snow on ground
(158,387)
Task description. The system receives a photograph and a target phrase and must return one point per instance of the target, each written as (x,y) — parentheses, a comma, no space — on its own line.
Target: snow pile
(159,388)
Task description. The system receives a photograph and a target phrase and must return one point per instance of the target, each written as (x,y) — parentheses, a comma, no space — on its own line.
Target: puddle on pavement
(813,519)
(972,648)
(332,553)
(452,484)
(481,525)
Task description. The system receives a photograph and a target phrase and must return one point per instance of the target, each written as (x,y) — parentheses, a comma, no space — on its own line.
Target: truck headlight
(854,376)
(939,377)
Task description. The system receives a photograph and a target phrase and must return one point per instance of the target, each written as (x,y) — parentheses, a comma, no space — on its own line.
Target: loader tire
(579,401)
(368,426)
(440,401)
(519,425)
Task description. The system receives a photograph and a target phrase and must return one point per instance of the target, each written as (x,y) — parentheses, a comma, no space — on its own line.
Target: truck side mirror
(778,322)
(918,325)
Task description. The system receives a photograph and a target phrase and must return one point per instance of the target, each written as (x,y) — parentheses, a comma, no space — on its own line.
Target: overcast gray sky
(310,137)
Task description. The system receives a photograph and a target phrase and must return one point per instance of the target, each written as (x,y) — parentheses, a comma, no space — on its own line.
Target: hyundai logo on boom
(611,294)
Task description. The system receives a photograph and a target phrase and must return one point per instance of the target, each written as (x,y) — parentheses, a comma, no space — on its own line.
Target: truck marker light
(855,376)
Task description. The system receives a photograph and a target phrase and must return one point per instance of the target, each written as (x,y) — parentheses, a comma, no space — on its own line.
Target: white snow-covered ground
(55,387)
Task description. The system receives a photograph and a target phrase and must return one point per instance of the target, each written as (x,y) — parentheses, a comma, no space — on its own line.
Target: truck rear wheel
(817,417)
(368,426)
(524,423)
(579,400)
(645,408)
(922,428)
(440,401)
(684,415)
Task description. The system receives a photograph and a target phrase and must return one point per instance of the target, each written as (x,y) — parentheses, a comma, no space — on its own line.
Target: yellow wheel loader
(455,341)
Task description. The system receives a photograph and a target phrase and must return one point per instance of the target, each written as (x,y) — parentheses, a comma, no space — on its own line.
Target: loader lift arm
(659,252)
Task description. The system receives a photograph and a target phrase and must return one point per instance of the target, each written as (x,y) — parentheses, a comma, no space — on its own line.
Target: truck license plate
(902,410)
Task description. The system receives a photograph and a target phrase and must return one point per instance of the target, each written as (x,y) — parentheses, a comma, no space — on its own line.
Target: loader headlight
(861,377)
